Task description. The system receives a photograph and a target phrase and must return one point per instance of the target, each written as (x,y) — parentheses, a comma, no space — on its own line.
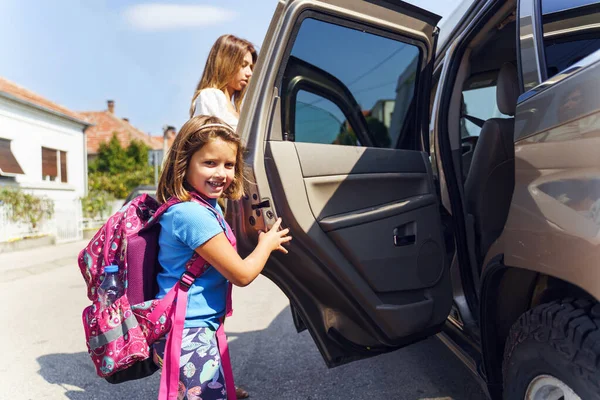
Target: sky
(147,57)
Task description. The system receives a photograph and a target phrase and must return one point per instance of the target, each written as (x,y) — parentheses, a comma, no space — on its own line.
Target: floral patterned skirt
(200,372)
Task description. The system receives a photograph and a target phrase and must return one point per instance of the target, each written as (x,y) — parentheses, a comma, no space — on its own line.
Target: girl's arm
(219,253)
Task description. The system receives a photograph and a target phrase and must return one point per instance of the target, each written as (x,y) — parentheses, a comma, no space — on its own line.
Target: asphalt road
(44,354)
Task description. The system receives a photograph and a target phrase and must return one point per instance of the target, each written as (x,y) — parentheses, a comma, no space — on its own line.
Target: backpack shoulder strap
(164,207)
(194,268)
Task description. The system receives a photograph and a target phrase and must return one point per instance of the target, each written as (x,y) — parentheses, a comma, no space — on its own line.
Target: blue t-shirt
(184,227)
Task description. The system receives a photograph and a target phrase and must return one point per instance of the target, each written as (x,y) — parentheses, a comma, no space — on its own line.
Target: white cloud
(163,17)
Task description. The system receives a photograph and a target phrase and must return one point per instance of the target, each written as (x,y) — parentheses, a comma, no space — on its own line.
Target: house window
(54,165)
(8,163)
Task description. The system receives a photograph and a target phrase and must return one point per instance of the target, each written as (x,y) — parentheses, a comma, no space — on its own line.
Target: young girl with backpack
(221,89)
(205,162)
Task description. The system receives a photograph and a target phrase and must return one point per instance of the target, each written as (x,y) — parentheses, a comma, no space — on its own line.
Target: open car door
(335,121)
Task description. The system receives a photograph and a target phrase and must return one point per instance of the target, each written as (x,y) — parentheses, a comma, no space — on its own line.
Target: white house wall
(30,129)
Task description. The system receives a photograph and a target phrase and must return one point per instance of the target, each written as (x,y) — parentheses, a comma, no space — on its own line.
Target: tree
(113,158)
(379,131)
(118,170)
(346,137)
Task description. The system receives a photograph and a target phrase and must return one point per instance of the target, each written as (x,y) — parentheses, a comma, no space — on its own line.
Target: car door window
(377,74)
(571,32)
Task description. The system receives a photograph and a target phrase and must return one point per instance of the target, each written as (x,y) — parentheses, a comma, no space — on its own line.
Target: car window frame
(528,18)
(593,4)
(541,68)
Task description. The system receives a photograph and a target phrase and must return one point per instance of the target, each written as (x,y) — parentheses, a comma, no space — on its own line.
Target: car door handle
(404,240)
(405,235)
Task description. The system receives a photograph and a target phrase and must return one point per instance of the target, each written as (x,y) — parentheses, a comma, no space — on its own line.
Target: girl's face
(212,168)
(241,79)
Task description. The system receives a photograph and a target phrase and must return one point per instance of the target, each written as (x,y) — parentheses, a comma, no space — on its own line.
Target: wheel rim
(546,387)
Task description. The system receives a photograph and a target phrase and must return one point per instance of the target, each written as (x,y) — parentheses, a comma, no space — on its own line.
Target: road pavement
(44,355)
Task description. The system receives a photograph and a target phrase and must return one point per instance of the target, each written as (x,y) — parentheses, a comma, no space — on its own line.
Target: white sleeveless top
(214,102)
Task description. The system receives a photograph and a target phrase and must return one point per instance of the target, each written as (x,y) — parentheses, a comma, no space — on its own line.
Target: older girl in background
(226,75)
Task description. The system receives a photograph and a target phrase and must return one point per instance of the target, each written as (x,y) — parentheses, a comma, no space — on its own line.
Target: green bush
(26,208)
(97,204)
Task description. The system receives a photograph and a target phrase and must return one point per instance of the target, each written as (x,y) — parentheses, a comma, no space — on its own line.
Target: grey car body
(417,217)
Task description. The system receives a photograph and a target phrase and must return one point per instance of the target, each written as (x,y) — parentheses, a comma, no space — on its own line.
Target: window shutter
(63,166)
(8,162)
(49,163)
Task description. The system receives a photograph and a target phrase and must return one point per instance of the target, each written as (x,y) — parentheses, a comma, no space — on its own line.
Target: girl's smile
(212,168)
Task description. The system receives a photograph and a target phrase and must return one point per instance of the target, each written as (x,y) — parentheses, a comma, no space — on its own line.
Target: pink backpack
(119,338)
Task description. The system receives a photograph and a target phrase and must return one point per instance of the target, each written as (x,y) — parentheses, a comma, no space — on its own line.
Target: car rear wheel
(553,352)
(544,387)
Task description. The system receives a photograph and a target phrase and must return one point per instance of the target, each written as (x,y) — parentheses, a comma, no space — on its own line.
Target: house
(43,152)
(106,122)
(383,110)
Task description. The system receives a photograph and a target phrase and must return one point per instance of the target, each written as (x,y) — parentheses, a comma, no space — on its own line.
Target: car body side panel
(553,225)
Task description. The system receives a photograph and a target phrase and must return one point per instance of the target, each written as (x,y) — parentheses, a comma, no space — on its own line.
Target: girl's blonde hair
(193,135)
(225,59)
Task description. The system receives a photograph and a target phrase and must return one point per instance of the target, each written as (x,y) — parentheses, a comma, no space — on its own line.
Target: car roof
(448,23)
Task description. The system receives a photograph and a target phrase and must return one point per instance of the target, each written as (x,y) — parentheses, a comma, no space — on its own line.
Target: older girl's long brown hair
(189,140)
(225,59)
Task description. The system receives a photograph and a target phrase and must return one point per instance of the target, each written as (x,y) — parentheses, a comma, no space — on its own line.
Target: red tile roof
(105,123)
(20,93)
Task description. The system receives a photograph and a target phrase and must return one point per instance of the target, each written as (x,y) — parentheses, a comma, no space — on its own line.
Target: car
(435,183)
(139,190)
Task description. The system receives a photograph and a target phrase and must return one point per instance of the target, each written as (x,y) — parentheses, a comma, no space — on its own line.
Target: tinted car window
(378,77)
(571,32)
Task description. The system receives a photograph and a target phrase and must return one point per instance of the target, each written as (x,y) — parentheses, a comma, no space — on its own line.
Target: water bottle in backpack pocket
(111,328)
(111,287)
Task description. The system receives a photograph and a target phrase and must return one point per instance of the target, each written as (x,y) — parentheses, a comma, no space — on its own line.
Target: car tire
(553,344)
